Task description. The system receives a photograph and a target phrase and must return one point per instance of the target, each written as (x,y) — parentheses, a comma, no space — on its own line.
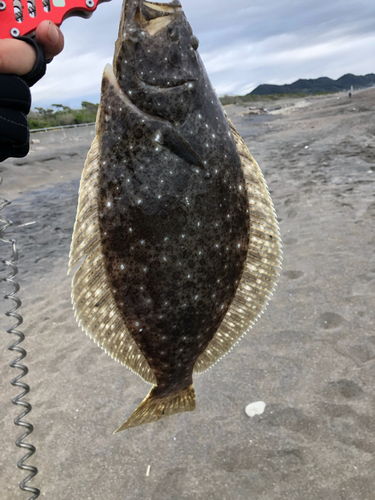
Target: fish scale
(174,217)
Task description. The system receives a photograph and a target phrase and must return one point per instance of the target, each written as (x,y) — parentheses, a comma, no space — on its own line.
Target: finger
(16,57)
(49,38)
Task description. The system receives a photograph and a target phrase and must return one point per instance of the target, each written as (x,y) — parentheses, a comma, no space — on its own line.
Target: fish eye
(194,42)
(173,35)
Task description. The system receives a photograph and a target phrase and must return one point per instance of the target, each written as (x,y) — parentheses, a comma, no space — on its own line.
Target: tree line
(59,115)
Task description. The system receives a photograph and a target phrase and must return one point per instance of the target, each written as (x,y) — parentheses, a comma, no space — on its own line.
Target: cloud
(83,77)
(286,58)
(242,44)
(77,72)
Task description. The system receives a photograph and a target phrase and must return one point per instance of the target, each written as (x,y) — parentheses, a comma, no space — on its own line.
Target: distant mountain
(316,85)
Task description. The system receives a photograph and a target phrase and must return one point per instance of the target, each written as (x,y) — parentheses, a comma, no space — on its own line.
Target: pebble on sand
(255,409)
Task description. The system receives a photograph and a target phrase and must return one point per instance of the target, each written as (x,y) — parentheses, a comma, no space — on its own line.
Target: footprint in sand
(290,241)
(361,352)
(347,389)
(329,320)
(370,212)
(293,275)
(365,278)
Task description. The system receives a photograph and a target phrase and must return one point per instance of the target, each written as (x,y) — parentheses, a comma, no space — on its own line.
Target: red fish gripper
(21,17)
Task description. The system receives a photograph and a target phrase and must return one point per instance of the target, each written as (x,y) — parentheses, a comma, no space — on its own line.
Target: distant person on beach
(350,95)
(21,65)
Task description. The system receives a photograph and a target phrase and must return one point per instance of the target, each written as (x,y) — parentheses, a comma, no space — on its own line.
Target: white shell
(255,409)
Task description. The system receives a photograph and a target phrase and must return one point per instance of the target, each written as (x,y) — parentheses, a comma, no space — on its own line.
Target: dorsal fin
(259,276)
(92,298)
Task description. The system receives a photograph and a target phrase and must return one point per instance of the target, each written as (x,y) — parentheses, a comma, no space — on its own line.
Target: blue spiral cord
(18,400)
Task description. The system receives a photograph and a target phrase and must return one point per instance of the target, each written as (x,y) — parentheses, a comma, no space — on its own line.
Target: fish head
(156,60)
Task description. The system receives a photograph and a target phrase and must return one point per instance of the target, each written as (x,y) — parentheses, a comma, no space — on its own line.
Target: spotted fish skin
(165,192)
(175,235)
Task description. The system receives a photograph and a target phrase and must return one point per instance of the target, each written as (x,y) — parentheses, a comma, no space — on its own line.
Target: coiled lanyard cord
(16,381)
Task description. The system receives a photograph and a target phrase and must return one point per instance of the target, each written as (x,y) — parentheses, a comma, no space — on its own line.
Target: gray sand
(311,358)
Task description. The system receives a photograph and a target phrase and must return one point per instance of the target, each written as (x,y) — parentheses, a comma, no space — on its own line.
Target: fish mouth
(174,82)
(174,85)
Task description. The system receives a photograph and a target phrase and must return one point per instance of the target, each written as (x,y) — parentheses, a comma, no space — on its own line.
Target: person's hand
(18,57)
(22,63)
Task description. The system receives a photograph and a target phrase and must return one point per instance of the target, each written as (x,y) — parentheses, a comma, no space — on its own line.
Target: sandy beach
(311,357)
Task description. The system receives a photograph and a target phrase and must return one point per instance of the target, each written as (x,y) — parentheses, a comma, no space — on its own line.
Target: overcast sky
(243,43)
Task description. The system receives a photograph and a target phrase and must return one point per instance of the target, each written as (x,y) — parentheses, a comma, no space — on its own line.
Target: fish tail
(154,407)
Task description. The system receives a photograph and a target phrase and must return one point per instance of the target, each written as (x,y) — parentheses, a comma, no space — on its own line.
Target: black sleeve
(15,102)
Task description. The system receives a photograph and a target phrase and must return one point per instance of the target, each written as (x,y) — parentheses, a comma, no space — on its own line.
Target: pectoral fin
(171,139)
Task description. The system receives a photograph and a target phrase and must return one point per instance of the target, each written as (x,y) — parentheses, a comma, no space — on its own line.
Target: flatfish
(177,229)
